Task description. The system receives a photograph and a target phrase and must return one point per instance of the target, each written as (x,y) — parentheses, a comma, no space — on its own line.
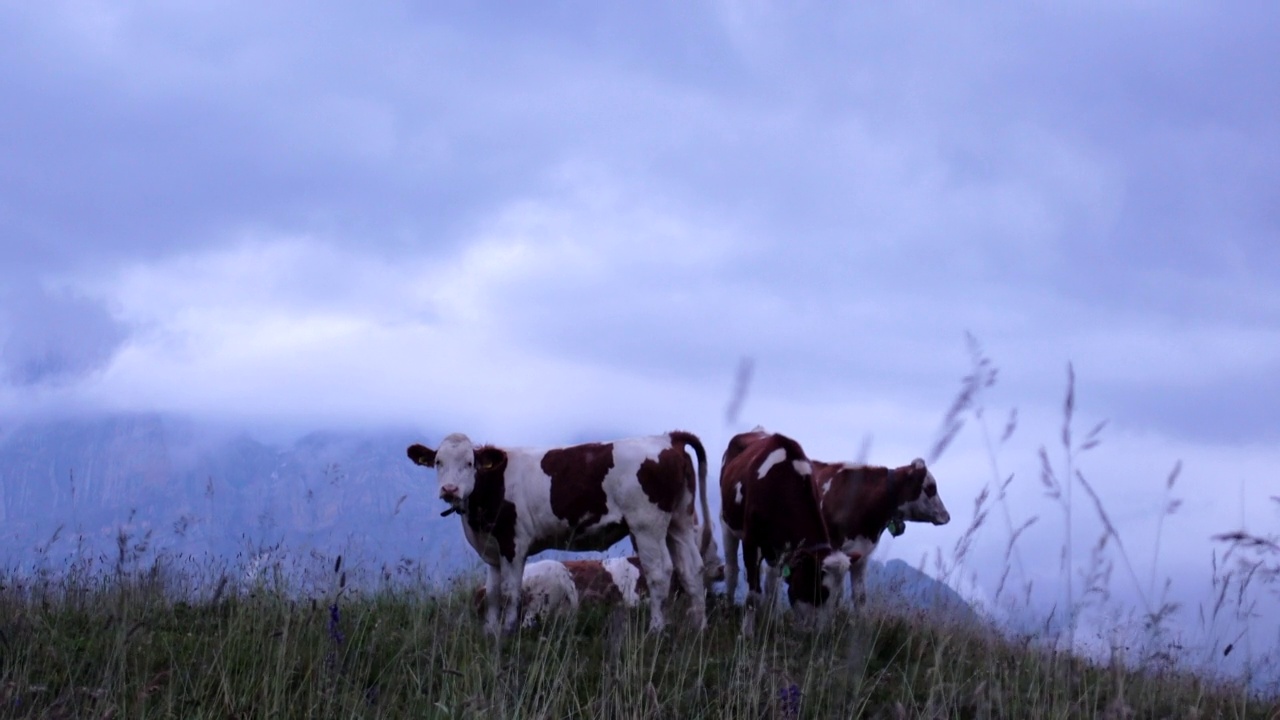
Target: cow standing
(516,502)
(859,502)
(770,505)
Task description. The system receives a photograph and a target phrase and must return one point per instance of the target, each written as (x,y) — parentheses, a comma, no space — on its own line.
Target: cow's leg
(751,559)
(655,561)
(687,559)
(512,592)
(492,599)
(730,539)
(858,581)
(771,600)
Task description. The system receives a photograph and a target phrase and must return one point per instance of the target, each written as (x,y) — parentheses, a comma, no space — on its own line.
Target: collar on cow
(897,525)
(452,509)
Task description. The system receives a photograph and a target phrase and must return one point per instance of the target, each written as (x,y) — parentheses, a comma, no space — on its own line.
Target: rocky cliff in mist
(72,488)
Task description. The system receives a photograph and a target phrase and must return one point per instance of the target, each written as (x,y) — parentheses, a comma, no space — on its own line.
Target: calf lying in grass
(560,587)
(553,588)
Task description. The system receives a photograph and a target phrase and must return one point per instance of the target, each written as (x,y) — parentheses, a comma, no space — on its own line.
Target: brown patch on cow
(642,586)
(862,499)
(666,480)
(490,459)
(593,581)
(740,442)
(908,483)
(577,482)
(422,455)
(779,518)
(488,510)
(681,439)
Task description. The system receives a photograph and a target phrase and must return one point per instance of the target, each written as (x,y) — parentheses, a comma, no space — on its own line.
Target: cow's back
(767,492)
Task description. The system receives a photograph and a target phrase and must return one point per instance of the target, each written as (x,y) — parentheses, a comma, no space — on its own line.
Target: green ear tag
(897,527)
(786,571)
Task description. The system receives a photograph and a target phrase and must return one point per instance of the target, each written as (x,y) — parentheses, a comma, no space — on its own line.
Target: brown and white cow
(516,502)
(554,588)
(770,504)
(859,502)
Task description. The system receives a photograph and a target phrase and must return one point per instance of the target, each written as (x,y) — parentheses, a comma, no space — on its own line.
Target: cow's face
(456,462)
(814,576)
(919,493)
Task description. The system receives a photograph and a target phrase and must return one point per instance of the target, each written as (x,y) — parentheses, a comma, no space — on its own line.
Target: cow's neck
(485,501)
(863,506)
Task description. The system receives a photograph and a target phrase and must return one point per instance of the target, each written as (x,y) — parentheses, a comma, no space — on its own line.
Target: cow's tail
(706,543)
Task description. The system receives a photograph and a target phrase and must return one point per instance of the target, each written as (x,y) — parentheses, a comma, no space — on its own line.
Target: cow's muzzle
(449,494)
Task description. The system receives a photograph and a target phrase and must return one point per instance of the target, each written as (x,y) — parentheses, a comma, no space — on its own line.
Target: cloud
(55,336)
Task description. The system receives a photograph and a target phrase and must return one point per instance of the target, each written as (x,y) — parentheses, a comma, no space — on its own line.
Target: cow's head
(457,463)
(712,565)
(814,575)
(916,491)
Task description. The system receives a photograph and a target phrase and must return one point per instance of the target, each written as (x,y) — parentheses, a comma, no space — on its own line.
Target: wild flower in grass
(789,701)
(335,625)
(336,638)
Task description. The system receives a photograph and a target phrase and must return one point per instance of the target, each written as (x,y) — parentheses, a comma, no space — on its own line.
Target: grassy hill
(125,647)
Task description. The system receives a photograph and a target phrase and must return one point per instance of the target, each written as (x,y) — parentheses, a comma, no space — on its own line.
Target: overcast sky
(538,223)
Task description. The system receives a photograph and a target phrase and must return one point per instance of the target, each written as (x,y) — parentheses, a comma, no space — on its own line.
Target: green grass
(122,648)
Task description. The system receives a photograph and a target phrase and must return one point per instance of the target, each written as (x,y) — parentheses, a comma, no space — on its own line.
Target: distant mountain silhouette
(74,488)
(897,583)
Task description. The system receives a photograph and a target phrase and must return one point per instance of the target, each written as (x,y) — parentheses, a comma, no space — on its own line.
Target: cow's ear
(909,482)
(422,455)
(490,459)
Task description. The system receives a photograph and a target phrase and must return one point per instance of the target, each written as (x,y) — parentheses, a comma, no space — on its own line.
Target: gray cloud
(55,337)
(1130,153)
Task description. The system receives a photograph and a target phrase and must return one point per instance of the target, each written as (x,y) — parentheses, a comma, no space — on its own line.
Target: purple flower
(335,630)
(789,700)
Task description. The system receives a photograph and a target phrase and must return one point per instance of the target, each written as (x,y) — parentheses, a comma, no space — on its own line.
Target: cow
(515,502)
(859,502)
(554,588)
(770,505)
